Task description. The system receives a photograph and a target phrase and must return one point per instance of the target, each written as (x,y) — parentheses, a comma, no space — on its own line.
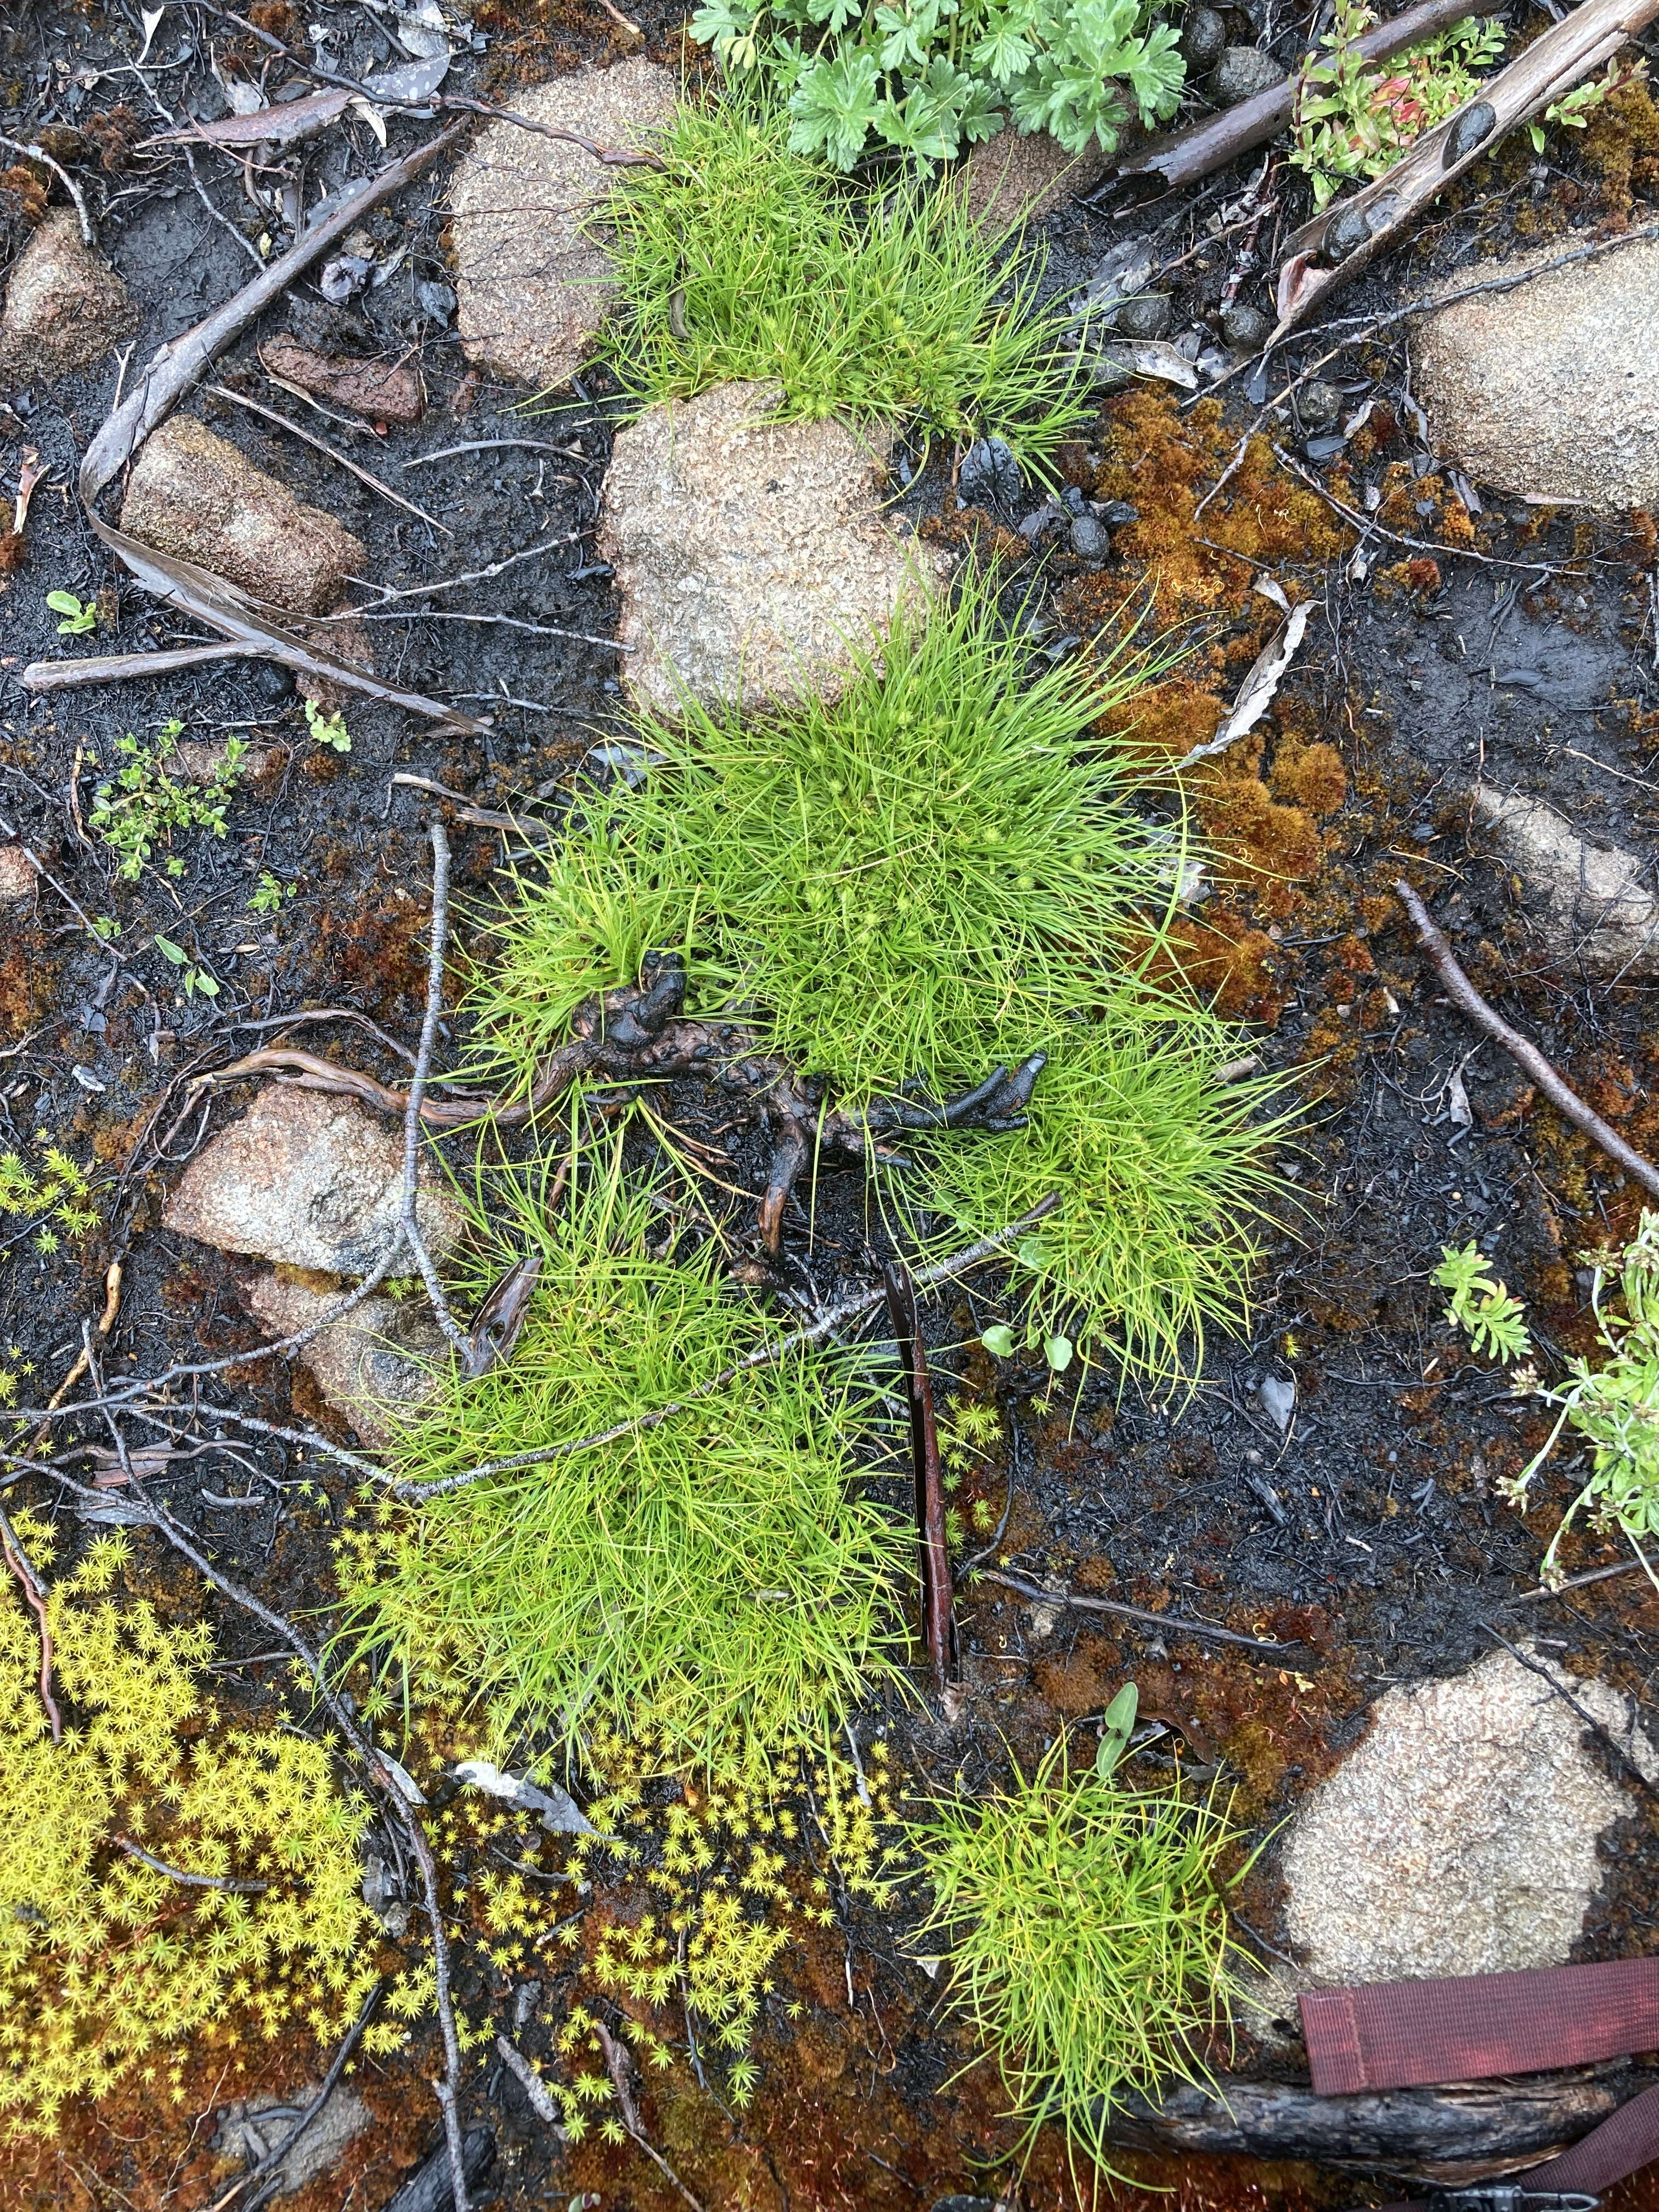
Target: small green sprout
(106,926)
(1574,109)
(1480,1306)
(192,977)
(268,893)
(140,808)
(328,729)
(998,1340)
(1115,1729)
(79,615)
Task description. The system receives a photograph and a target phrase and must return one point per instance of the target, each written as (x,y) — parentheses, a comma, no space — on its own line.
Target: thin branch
(496,445)
(126,667)
(279,2151)
(1180,1624)
(1463,995)
(416,1493)
(190,1881)
(321,445)
(34,1591)
(541,2098)
(452,583)
(37,153)
(434,1000)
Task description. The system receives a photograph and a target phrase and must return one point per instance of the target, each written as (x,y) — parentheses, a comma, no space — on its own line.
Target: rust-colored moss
(1622,146)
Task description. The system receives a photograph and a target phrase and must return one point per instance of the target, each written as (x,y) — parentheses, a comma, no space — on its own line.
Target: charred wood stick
(126,667)
(1565,1101)
(1461,2134)
(1180,1623)
(1183,156)
(431,2187)
(1325,252)
(933,1554)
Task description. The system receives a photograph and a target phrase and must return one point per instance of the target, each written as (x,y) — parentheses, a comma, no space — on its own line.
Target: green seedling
(1115,1729)
(927,78)
(740,260)
(191,977)
(1574,109)
(1089,1943)
(79,615)
(1480,1306)
(328,729)
(1611,1402)
(58,1193)
(268,894)
(140,809)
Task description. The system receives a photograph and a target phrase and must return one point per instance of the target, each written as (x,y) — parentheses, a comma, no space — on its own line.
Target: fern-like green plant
(1480,1306)
(108,1965)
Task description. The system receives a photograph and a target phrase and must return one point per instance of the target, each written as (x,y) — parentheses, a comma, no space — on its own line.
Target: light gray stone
(309,1180)
(1459,1837)
(749,556)
(532,286)
(249,2130)
(1022,177)
(375,1367)
(1242,73)
(17,878)
(1552,389)
(193,495)
(1602,916)
(65,307)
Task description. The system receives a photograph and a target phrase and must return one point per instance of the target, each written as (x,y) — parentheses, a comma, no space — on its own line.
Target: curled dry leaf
(1256,693)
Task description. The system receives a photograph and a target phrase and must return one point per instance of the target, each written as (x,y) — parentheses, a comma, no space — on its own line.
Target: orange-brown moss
(1622,146)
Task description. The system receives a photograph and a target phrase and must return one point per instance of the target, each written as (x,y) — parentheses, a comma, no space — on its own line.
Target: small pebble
(1246,330)
(269,681)
(1241,74)
(1472,129)
(1345,234)
(1203,41)
(1148,317)
(1109,374)
(1117,513)
(1319,403)
(1090,542)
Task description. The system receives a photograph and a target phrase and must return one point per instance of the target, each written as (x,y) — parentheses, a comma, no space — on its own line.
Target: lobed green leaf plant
(1612,1401)
(1088,1937)
(740,260)
(718,1573)
(929,78)
(136,812)
(938,872)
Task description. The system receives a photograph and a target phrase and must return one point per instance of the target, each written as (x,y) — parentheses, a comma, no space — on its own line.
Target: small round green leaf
(998,1340)
(1057,1351)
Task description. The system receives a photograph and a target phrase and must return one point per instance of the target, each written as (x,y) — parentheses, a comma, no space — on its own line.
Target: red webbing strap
(1403,2035)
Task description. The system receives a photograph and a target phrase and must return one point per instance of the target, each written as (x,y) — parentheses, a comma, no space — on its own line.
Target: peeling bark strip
(933,1554)
(1325,252)
(1186,156)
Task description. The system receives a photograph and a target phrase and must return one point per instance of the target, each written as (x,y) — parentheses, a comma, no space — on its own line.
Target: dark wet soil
(1370,1531)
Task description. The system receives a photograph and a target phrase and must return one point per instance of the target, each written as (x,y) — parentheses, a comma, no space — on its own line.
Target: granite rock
(65,307)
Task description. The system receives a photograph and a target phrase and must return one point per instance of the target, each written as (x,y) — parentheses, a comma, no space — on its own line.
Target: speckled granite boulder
(749,555)
(530,286)
(65,307)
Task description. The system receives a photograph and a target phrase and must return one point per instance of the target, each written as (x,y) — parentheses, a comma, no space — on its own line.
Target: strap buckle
(1509,2196)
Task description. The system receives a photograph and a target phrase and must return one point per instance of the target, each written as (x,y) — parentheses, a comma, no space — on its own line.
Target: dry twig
(1179,1624)
(1565,1101)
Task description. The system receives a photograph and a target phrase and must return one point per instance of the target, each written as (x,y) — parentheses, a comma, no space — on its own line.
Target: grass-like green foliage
(881,312)
(901,883)
(106,1966)
(928,78)
(1088,1937)
(716,1574)
(139,809)
(1612,1401)
(1161,1177)
(938,873)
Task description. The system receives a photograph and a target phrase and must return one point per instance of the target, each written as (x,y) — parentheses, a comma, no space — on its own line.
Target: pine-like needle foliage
(883,310)
(1162,1177)
(717,1574)
(1089,1937)
(941,863)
